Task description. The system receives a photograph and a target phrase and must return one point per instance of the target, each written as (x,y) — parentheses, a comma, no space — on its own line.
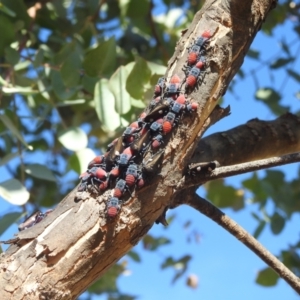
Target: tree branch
(254,140)
(205,207)
(222,172)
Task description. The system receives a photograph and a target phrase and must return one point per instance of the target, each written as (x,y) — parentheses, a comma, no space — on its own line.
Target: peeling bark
(61,256)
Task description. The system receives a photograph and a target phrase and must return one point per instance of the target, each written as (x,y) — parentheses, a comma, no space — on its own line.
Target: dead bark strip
(61,256)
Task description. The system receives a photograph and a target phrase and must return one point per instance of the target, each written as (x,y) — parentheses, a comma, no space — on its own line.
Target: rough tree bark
(76,244)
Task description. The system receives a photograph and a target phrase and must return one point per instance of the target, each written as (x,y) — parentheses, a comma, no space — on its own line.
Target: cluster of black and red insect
(123,165)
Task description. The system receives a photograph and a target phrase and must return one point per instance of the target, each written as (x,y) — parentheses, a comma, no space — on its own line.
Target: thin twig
(238,169)
(155,34)
(242,235)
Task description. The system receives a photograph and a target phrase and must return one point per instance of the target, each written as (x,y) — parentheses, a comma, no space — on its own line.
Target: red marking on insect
(134,125)
(192,58)
(194,106)
(191,81)
(129,139)
(100,173)
(181,99)
(160,121)
(167,127)
(199,64)
(83,174)
(206,34)
(115,172)
(103,185)
(140,183)
(143,131)
(130,179)
(157,89)
(155,144)
(128,151)
(117,193)
(112,211)
(175,79)
(142,115)
(96,161)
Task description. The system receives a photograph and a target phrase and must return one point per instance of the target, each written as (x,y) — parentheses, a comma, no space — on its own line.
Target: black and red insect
(168,122)
(197,48)
(94,175)
(178,105)
(35,218)
(113,207)
(173,88)
(158,89)
(156,126)
(125,158)
(132,175)
(192,106)
(120,188)
(98,161)
(194,75)
(157,141)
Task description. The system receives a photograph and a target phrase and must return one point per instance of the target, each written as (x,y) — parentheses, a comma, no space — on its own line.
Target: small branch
(250,141)
(154,32)
(228,171)
(242,235)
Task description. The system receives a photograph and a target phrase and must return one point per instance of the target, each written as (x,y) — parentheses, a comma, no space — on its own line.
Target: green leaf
(40,171)
(294,75)
(179,265)
(157,69)
(89,83)
(151,243)
(19,90)
(254,185)
(8,157)
(7,33)
(259,229)
(63,54)
(13,129)
(277,223)
(253,54)
(101,60)
(267,277)
(38,58)
(267,94)
(73,138)
(70,102)
(117,85)
(60,90)
(224,196)
(7,220)
(6,10)
(14,192)
(20,10)
(70,70)
(271,97)
(285,48)
(79,160)
(134,256)
(12,56)
(280,62)
(138,78)
(105,106)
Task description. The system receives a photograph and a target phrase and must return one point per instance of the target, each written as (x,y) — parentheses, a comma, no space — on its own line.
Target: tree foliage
(73,74)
